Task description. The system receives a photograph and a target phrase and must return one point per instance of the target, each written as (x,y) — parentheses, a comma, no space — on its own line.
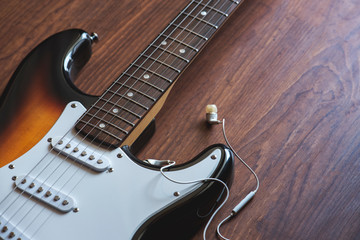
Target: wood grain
(284,74)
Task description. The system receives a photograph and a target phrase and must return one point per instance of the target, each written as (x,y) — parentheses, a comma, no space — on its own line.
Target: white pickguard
(112,205)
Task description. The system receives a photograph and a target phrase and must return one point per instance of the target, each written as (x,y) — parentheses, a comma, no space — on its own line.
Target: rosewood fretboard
(122,106)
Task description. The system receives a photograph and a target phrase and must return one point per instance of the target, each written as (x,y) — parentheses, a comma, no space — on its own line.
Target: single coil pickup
(81,153)
(46,194)
(9,231)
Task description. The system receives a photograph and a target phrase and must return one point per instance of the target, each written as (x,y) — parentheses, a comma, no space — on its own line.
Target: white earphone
(211,118)
(211,114)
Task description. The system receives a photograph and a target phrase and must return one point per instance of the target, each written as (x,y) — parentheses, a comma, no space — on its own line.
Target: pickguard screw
(49,139)
(11,166)
(73,105)
(76,210)
(176,194)
(119,155)
(111,169)
(14,178)
(213,157)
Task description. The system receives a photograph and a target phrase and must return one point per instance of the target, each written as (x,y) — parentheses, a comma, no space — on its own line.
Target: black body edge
(184,218)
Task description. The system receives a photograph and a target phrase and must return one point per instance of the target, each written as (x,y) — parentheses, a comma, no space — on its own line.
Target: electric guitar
(67,165)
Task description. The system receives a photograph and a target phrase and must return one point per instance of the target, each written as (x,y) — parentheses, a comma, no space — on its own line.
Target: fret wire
(191,31)
(152,44)
(220,8)
(94,127)
(108,122)
(174,54)
(204,6)
(100,129)
(152,72)
(130,99)
(185,44)
(233,2)
(112,134)
(155,73)
(163,63)
(103,130)
(202,20)
(139,79)
(158,47)
(175,40)
(188,45)
(114,114)
(123,108)
(214,9)
(183,20)
(153,51)
(131,65)
(138,91)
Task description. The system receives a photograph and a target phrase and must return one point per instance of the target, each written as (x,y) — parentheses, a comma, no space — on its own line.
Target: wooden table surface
(284,74)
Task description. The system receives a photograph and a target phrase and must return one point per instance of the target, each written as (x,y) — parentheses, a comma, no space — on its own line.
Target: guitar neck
(129,99)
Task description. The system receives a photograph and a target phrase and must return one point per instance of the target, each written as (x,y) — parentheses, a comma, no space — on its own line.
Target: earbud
(211,114)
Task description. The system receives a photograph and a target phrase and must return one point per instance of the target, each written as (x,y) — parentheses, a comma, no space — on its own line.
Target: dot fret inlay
(133,94)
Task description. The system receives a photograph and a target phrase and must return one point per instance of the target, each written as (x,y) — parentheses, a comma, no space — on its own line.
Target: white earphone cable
(243,162)
(171,163)
(247,198)
(237,207)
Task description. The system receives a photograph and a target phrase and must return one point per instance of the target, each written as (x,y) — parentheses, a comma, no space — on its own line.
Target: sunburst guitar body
(67,165)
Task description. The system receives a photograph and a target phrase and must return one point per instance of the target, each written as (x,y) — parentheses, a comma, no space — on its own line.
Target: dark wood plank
(284,74)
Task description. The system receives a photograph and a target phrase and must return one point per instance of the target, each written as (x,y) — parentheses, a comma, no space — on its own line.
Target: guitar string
(65,135)
(45,181)
(146,69)
(143,83)
(114,105)
(49,216)
(204,232)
